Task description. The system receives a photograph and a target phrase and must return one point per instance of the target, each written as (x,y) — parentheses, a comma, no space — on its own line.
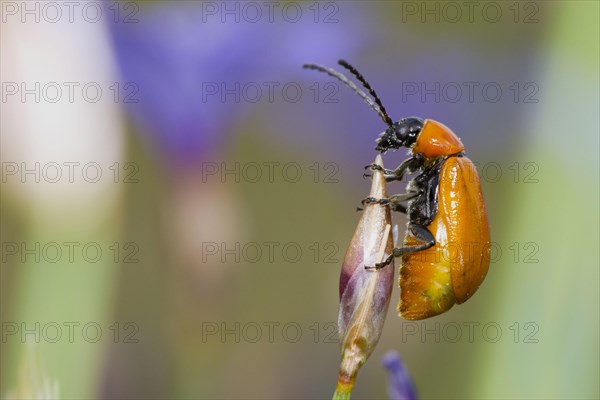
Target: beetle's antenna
(358,75)
(331,72)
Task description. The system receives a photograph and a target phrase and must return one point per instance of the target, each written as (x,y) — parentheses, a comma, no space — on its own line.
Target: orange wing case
(432,280)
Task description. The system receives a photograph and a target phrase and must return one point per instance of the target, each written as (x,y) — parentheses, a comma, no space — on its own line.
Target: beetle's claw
(373,200)
(368,200)
(375,267)
(374,167)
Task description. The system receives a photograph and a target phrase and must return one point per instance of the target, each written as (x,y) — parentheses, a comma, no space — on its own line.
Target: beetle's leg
(394,201)
(399,207)
(389,174)
(397,199)
(419,232)
(377,167)
(407,166)
(373,200)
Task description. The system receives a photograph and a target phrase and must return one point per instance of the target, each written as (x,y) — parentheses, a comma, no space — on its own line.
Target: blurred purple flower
(400,386)
(176,48)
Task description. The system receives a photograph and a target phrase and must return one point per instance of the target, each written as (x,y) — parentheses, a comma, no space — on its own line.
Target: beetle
(446,249)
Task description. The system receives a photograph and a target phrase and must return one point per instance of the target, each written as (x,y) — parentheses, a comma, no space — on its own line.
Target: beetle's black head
(400,134)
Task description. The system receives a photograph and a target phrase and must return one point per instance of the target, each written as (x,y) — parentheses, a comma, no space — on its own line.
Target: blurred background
(178,194)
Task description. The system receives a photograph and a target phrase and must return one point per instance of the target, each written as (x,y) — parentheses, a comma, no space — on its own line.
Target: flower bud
(365,292)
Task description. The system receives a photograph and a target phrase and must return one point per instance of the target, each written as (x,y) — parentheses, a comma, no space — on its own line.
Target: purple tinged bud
(364,293)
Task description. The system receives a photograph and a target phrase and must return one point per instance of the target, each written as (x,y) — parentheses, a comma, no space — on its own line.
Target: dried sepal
(364,293)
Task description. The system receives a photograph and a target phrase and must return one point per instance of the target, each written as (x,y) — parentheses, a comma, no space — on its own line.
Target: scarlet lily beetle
(446,251)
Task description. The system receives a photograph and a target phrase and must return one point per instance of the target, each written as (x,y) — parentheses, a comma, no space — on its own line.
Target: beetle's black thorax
(423,208)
